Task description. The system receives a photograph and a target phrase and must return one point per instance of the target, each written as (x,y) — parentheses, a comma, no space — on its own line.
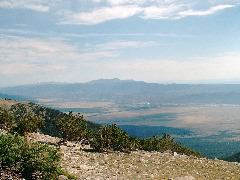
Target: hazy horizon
(173,41)
(209,82)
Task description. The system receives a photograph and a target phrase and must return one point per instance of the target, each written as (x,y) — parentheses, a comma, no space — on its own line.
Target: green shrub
(72,127)
(31,159)
(28,123)
(6,119)
(40,159)
(11,149)
(25,120)
(110,137)
(164,143)
(19,119)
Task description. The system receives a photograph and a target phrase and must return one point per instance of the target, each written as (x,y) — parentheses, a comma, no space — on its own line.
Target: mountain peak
(114,80)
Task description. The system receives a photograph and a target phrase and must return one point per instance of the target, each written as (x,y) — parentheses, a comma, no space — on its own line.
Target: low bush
(72,127)
(32,160)
(11,149)
(21,121)
(25,120)
(6,119)
(112,138)
(165,143)
(40,159)
(27,124)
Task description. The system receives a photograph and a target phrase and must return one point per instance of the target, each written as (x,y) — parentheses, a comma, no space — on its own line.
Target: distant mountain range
(130,91)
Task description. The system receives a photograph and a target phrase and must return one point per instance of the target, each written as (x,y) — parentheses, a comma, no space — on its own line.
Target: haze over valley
(135,79)
(209,113)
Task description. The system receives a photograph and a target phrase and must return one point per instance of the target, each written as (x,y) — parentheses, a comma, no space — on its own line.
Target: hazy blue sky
(151,40)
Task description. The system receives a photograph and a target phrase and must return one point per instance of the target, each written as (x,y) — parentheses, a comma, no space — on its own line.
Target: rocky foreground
(140,164)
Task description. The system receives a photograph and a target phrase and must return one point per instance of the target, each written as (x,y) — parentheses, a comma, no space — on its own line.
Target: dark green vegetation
(25,118)
(32,160)
(111,137)
(35,160)
(72,127)
(165,143)
(29,117)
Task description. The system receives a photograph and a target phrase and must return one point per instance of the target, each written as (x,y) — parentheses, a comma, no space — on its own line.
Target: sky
(164,41)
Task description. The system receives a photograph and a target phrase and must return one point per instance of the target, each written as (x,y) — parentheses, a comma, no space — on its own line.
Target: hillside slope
(85,163)
(49,115)
(140,164)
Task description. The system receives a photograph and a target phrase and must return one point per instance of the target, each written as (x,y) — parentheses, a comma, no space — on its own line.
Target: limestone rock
(62,177)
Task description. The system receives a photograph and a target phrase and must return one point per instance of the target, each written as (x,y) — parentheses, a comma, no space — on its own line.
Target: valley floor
(141,165)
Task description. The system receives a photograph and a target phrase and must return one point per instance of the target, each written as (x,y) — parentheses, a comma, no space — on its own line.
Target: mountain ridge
(130,91)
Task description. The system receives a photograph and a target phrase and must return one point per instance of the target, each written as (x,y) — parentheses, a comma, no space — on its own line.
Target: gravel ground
(9,175)
(144,165)
(137,165)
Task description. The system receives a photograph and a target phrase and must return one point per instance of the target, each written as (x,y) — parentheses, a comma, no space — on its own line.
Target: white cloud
(14,49)
(35,5)
(117,45)
(209,11)
(93,12)
(124,2)
(162,12)
(20,55)
(16,69)
(170,70)
(26,60)
(87,35)
(146,9)
(34,60)
(65,36)
(101,15)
